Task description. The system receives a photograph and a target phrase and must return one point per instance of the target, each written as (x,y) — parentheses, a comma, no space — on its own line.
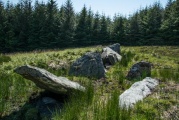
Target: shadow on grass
(39,107)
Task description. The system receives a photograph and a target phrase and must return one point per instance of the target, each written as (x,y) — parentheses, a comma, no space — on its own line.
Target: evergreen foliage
(25,27)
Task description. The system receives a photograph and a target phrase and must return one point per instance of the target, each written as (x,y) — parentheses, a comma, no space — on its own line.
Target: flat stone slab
(47,80)
(137,92)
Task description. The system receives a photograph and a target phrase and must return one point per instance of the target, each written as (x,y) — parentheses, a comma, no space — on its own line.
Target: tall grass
(100,100)
(4,91)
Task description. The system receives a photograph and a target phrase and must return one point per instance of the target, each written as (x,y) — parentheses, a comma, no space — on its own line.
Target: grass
(100,101)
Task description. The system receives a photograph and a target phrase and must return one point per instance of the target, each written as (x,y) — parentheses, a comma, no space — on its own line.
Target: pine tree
(167,24)
(142,22)
(23,13)
(133,33)
(61,20)
(81,30)
(118,29)
(9,39)
(37,39)
(103,33)
(2,33)
(96,30)
(69,24)
(176,23)
(52,24)
(89,27)
(154,20)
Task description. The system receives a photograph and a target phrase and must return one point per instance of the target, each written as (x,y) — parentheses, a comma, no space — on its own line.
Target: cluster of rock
(93,64)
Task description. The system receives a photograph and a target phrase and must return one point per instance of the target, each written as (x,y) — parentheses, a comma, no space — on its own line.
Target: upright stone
(137,92)
(47,80)
(89,65)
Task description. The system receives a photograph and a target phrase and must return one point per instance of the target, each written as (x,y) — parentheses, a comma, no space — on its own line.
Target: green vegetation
(100,101)
(25,26)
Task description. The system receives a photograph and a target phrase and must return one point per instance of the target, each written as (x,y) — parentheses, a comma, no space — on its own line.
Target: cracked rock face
(137,92)
(89,65)
(47,80)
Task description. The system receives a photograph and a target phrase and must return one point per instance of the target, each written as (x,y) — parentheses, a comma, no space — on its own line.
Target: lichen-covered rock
(110,57)
(89,65)
(115,47)
(47,80)
(139,69)
(137,92)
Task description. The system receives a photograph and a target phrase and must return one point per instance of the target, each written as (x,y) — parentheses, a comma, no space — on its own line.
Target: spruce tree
(37,39)
(89,26)
(61,20)
(2,34)
(133,33)
(118,29)
(69,24)
(96,29)
(103,33)
(81,30)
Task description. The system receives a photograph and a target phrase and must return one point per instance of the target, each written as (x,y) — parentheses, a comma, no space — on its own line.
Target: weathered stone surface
(47,80)
(110,57)
(115,47)
(137,92)
(139,69)
(89,65)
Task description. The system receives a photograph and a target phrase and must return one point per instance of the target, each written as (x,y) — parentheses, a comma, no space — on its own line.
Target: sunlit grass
(100,101)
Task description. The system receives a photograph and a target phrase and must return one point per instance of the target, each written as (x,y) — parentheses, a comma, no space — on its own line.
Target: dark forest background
(26,27)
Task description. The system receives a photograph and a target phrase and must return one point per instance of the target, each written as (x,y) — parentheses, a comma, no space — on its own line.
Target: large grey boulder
(109,56)
(137,92)
(89,65)
(47,80)
(139,69)
(115,47)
